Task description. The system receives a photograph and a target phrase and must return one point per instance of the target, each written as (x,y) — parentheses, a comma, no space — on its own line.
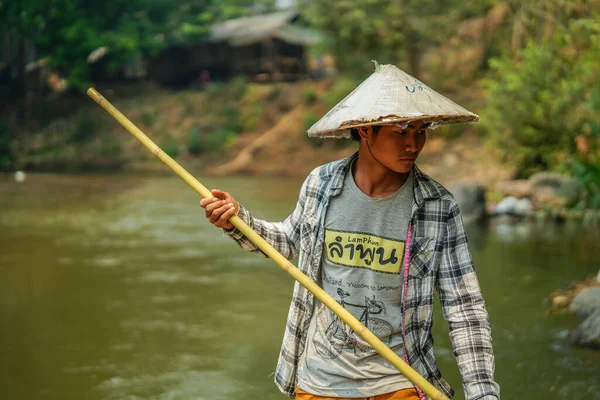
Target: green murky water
(115,287)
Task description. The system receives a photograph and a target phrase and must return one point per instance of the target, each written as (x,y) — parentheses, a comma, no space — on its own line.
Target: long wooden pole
(287,266)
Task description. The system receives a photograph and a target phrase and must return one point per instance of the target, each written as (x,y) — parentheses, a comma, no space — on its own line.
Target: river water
(115,287)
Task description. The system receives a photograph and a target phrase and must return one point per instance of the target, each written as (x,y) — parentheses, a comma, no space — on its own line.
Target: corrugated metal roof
(247,30)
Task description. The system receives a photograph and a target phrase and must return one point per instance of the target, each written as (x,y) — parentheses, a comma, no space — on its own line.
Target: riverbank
(233,128)
(241,128)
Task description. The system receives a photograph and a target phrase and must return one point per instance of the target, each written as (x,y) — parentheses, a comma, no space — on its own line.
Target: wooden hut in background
(267,47)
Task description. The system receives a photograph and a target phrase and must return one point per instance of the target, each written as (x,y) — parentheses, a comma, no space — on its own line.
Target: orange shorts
(405,394)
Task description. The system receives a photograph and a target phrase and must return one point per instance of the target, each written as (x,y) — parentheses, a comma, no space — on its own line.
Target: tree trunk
(413,53)
(21,81)
(414,60)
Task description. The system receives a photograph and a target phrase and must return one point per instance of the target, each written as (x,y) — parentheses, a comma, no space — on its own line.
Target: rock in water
(19,176)
(587,306)
(523,207)
(470,197)
(586,302)
(554,189)
(507,205)
(560,301)
(588,333)
(512,206)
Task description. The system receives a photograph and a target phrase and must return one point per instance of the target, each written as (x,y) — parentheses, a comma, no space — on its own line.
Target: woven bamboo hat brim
(389,96)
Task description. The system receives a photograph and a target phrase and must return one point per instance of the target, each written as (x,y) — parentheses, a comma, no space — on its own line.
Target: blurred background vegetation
(114,285)
(529,68)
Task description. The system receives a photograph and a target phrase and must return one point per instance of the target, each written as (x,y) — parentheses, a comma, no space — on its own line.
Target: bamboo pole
(287,266)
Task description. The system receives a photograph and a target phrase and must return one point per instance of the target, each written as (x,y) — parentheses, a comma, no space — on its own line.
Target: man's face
(398,148)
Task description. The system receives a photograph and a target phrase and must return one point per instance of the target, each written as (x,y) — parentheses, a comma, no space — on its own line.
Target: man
(380,237)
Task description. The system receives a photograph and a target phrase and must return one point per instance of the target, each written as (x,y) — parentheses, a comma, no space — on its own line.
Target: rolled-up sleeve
(464,309)
(283,236)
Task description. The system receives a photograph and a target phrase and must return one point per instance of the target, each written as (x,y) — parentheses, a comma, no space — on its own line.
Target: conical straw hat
(389,96)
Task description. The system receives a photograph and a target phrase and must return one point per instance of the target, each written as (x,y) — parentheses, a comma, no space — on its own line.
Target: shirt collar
(424,187)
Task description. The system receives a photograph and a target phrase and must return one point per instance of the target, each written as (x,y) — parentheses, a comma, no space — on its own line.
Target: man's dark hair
(355,135)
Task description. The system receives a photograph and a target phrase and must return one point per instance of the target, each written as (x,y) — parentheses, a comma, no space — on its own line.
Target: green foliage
(86,128)
(309,96)
(188,104)
(191,20)
(586,166)
(69,30)
(214,141)
(536,21)
(233,120)
(110,148)
(148,118)
(275,92)
(309,118)
(386,30)
(237,87)
(251,117)
(450,131)
(588,175)
(223,100)
(539,104)
(195,144)
(341,88)
(233,90)
(170,146)
(217,140)
(209,142)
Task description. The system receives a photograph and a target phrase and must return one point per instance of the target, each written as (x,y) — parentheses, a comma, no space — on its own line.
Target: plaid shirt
(440,259)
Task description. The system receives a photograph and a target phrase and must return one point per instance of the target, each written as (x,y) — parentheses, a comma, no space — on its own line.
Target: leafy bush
(449,131)
(203,142)
(233,117)
(110,148)
(588,175)
(187,103)
(213,89)
(148,118)
(237,87)
(275,92)
(234,89)
(309,96)
(586,167)
(217,140)
(251,117)
(309,118)
(169,145)
(194,141)
(222,100)
(341,88)
(86,127)
(539,105)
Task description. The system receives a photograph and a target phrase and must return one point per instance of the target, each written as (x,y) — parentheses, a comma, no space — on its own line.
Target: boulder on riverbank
(549,188)
(587,306)
(513,206)
(586,302)
(470,197)
(583,300)
(543,189)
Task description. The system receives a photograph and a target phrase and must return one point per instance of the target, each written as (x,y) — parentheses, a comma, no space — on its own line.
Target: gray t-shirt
(362,270)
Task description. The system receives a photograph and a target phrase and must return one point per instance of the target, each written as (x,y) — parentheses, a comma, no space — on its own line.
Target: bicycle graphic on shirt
(333,335)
